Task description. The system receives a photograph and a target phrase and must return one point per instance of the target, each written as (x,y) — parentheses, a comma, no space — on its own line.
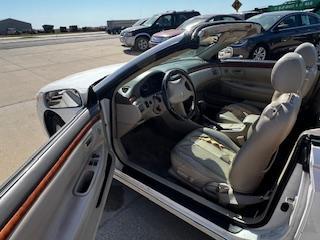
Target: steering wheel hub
(179,94)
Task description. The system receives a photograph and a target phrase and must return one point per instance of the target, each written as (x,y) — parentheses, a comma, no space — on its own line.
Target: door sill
(173,207)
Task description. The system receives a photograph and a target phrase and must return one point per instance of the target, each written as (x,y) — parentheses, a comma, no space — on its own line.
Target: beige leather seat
(236,113)
(310,55)
(211,162)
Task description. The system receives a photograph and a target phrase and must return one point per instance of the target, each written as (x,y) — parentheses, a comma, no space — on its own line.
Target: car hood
(134,28)
(83,80)
(168,33)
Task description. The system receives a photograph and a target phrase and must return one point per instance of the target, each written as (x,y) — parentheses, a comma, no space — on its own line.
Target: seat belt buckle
(223,188)
(241,140)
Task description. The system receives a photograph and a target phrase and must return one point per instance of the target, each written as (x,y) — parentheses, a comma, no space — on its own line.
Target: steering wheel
(179,94)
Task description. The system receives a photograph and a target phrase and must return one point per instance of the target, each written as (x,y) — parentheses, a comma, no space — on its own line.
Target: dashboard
(152,84)
(144,93)
(148,96)
(141,98)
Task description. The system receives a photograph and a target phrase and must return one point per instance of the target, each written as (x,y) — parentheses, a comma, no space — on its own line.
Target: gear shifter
(202,108)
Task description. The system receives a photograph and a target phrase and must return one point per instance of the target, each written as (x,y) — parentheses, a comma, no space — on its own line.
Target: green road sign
(295,5)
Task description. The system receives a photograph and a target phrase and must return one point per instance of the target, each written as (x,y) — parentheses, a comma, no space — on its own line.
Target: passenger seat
(236,113)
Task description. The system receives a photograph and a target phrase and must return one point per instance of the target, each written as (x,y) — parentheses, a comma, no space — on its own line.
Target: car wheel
(259,53)
(141,44)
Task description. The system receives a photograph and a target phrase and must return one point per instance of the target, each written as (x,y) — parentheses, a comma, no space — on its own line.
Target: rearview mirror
(226,53)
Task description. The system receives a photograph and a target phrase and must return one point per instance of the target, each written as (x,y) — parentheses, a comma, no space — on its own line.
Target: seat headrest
(309,54)
(288,73)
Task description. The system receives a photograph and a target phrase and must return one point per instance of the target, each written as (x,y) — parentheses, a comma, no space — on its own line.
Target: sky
(96,12)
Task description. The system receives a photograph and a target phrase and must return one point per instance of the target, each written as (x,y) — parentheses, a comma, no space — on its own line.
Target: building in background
(12,26)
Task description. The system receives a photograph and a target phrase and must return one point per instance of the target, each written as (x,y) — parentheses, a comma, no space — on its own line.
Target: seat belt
(226,196)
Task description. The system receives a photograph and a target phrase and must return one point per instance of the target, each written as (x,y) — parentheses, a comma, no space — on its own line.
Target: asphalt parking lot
(43,40)
(24,70)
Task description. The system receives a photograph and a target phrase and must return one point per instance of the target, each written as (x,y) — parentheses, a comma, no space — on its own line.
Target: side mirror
(282,26)
(65,98)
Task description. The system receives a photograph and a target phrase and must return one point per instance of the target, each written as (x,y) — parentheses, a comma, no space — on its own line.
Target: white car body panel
(79,81)
(309,224)
(83,80)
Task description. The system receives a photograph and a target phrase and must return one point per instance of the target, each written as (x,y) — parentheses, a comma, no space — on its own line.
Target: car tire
(260,53)
(141,44)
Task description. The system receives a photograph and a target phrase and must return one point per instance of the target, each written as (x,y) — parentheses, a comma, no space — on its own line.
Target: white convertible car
(230,146)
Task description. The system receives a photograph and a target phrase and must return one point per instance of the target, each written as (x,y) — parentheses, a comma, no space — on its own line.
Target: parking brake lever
(214,123)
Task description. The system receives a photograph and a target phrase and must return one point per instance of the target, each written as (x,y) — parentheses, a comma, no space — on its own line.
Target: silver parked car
(229,146)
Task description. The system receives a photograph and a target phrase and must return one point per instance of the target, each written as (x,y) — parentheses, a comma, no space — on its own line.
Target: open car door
(61,191)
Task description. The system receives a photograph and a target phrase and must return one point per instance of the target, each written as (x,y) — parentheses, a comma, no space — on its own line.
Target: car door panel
(313,35)
(62,193)
(310,29)
(248,91)
(288,38)
(284,41)
(243,80)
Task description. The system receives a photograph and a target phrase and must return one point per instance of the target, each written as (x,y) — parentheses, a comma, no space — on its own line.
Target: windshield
(139,22)
(190,23)
(266,20)
(151,21)
(213,39)
(205,45)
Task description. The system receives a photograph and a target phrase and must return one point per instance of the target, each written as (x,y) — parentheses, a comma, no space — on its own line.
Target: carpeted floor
(150,144)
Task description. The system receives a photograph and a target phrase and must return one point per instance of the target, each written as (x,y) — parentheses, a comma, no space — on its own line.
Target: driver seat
(210,162)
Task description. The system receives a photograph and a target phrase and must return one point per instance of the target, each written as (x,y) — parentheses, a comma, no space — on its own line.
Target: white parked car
(230,146)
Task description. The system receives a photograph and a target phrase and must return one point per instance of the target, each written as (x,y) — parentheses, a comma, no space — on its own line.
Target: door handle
(88,141)
(87,177)
(84,183)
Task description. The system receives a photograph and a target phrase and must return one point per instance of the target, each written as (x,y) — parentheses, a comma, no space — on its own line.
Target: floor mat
(150,145)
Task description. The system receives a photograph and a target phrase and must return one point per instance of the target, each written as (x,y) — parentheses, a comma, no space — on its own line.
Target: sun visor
(222,35)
